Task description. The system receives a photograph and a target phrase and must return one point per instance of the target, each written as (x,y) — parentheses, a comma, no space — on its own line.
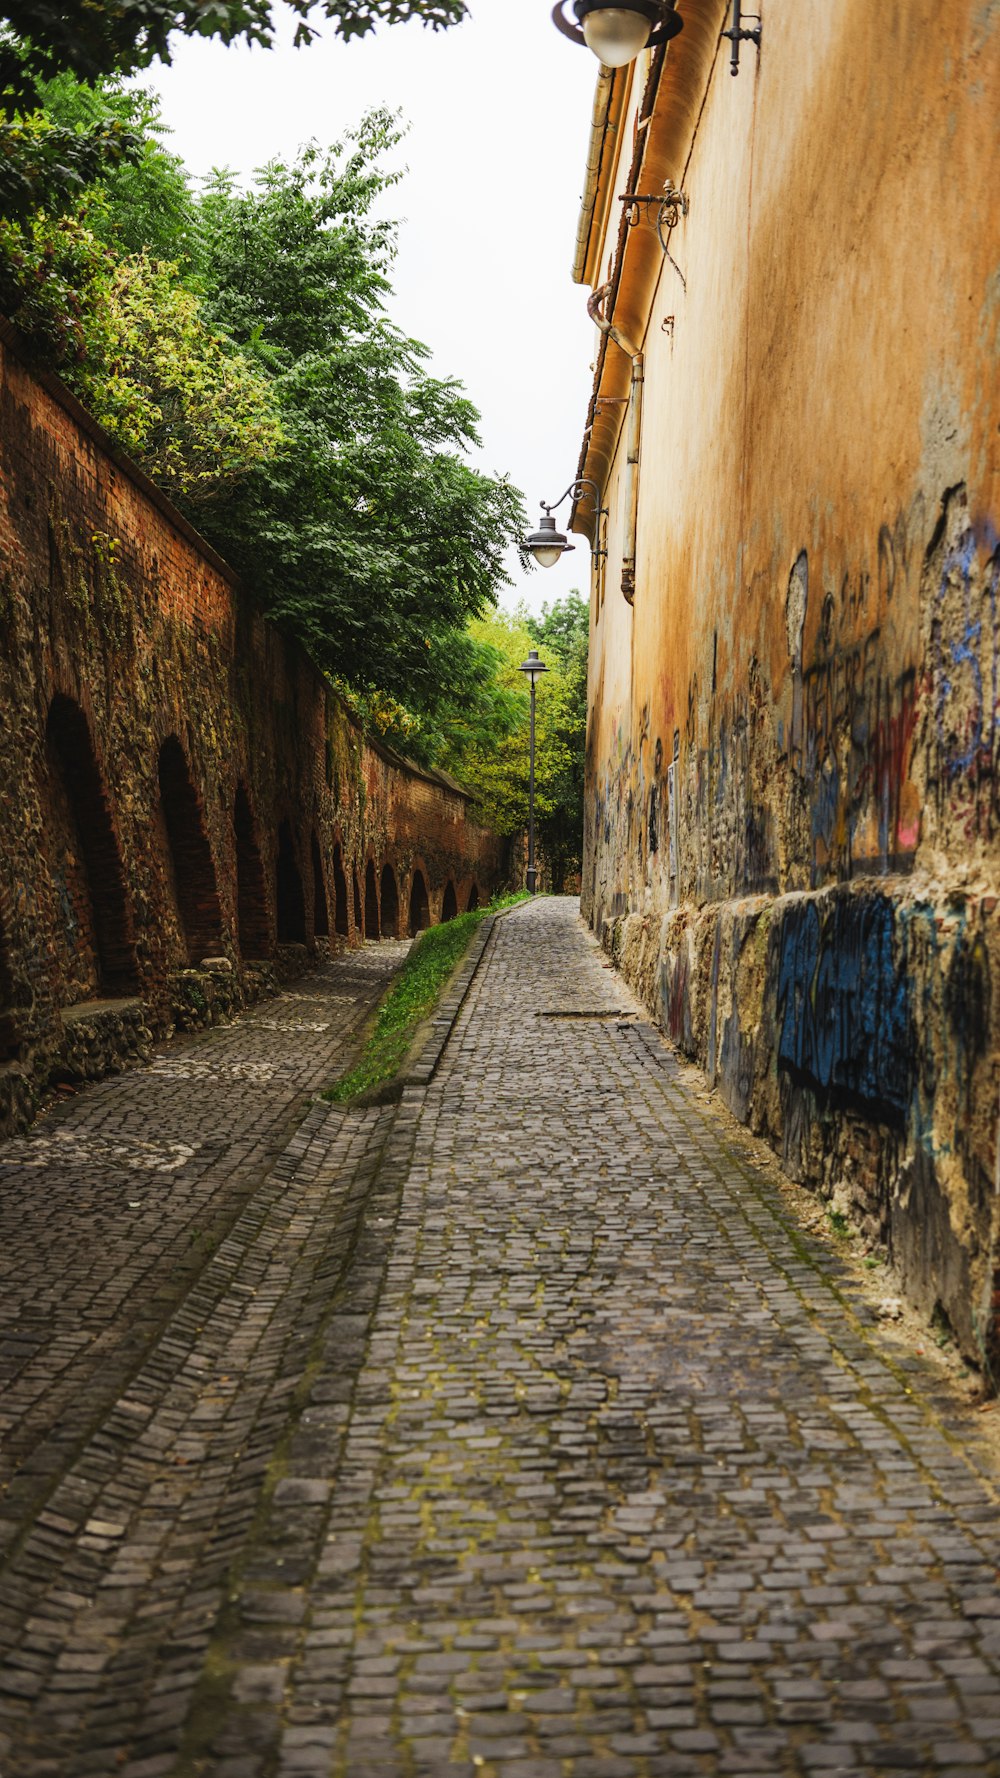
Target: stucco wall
(177,783)
(808,894)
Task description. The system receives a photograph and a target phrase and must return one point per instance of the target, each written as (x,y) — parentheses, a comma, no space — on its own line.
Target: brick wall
(177,782)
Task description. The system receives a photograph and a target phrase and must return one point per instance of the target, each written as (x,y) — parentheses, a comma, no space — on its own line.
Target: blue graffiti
(846,1024)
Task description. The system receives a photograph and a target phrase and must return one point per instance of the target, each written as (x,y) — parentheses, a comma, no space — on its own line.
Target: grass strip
(411,999)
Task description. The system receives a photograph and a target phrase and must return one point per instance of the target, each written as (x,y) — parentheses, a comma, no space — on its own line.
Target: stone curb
(421,1061)
(420,1069)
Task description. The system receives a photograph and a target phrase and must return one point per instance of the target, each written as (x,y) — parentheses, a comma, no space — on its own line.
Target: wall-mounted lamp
(739,33)
(617,33)
(547,544)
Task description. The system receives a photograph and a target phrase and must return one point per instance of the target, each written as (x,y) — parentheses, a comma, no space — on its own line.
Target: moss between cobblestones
(409,1002)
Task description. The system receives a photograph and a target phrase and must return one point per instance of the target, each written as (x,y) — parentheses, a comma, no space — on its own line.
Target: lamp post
(533,668)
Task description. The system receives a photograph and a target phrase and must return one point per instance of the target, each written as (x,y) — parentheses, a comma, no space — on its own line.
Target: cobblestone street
(518,1430)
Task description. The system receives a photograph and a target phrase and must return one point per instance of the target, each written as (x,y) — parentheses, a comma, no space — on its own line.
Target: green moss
(411,999)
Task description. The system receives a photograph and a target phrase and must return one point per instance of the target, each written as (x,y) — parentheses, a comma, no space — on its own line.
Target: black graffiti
(846,1023)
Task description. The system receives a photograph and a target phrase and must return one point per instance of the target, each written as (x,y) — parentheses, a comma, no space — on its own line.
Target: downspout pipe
(595,309)
(595,151)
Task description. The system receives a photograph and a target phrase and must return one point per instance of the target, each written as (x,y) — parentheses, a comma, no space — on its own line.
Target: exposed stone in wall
(851,1028)
(184,802)
(825,846)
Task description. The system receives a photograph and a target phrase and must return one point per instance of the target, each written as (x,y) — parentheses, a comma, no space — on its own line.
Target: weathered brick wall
(177,782)
(794,743)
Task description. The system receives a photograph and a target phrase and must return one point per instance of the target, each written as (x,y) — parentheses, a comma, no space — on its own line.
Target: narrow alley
(519,1430)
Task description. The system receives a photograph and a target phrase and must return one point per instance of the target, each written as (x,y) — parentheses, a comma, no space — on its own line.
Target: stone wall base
(103,1037)
(854,1030)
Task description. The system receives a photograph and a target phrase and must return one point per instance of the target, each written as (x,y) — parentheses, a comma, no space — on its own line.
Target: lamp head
(619,30)
(547,544)
(533,667)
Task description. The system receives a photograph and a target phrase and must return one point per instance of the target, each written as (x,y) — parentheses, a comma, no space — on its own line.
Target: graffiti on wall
(845,1023)
(962,639)
(881,728)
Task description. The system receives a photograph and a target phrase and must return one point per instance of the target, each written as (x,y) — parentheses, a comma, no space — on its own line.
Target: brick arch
(449,906)
(371,902)
(321,915)
(473,901)
(290,897)
(194,883)
(10,1042)
(359,919)
(251,886)
(94,924)
(341,919)
(420,912)
(389,903)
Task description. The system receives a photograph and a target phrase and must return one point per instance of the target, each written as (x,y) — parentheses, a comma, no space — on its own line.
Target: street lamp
(618,32)
(547,544)
(533,668)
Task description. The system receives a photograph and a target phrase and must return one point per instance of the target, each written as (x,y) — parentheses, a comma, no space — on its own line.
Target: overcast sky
(499,113)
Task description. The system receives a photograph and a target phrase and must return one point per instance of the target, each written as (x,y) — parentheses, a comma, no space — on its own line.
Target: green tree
(371,539)
(562,632)
(148,205)
(92,38)
(196,414)
(494,761)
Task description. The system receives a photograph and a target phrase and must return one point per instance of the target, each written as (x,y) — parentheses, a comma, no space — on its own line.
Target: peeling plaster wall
(793,815)
(147,712)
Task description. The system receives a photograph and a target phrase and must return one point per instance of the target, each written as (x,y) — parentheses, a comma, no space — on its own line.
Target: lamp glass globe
(616,35)
(546,557)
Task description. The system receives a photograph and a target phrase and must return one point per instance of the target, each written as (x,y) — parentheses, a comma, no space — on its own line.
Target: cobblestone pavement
(120,1217)
(518,1431)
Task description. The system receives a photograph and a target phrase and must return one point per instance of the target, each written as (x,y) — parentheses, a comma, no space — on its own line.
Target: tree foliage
(45,165)
(492,756)
(372,537)
(562,632)
(199,416)
(91,38)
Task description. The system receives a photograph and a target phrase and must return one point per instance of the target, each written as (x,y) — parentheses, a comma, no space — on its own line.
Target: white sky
(499,111)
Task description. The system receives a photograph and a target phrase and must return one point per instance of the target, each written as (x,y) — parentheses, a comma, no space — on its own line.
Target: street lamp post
(533,668)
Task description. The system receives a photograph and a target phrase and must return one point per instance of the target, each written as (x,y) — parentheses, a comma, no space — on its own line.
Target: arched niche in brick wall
(10,1045)
(389,902)
(420,913)
(94,928)
(291,901)
(341,922)
(449,906)
(321,917)
(473,901)
(194,883)
(371,902)
(359,920)
(251,885)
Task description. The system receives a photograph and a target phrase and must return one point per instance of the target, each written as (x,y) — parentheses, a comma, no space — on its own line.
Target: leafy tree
(92,38)
(46,165)
(147,204)
(196,414)
(494,761)
(371,539)
(563,631)
(83,181)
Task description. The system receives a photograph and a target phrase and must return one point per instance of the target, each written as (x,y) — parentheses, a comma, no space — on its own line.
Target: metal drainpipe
(594,310)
